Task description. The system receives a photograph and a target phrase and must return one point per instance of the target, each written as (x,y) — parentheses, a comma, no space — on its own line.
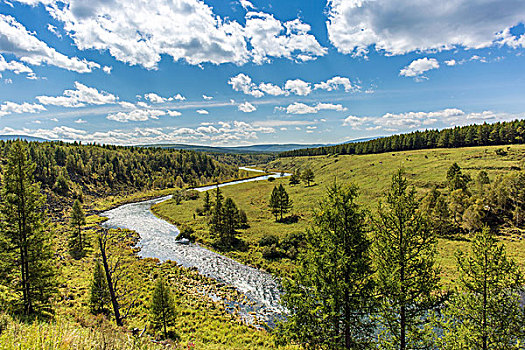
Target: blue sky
(247,72)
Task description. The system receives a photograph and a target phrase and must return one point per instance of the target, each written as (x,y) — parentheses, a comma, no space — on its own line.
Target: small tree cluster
(226,219)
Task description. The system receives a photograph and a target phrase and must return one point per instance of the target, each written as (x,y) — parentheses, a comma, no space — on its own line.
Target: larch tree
(162,307)
(280,202)
(485,313)
(99,297)
(78,219)
(404,248)
(308,176)
(26,253)
(331,296)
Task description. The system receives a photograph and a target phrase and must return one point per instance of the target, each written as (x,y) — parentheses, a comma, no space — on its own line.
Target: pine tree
(403,253)
(456,179)
(162,307)
(217,220)
(78,219)
(27,253)
(485,313)
(280,202)
(230,221)
(99,298)
(308,176)
(207,203)
(331,296)
(295,178)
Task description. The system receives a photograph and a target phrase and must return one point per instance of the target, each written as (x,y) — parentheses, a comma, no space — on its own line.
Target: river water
(158,240)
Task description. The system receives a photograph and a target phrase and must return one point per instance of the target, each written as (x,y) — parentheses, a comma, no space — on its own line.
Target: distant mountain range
(21,137)
(264,148)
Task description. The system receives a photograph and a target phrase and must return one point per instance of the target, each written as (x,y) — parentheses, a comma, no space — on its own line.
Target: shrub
(268,239)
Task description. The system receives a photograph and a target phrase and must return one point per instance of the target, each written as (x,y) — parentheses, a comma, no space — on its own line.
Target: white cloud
(53,30)
(246,107)
(272,89)
(107,69)
(14,66)
(282,122)
(417,67)
(246,4)
(396,27)
(298,87)
(81,96)
(154,98)
(174,113)
(355,122)
(139,32)
(301,108)
(271,38)
(80,121)
(142,104)
(207,97)
(451,62)
(16,40)
(335,82)
(179,97)
(137,115)
(202,111)
(9,107)
(127,105)
(242,82)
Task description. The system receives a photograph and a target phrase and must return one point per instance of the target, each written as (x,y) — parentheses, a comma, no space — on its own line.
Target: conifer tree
(78,219)
(230,220)
(99,298)
(162,307)
(331,296)
(485,313)
(27,253)
(217,222)
(308,176)
(280,202)
(207,202)
(295,178)
(403,253)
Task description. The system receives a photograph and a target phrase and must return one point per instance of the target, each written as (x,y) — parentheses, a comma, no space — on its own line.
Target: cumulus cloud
(17,40)
(301,108)
(80,121)
(179,97)
(80,97)
(107,69)
(298,87)
(202,111)
(15,67)
(139,32)
(396,27)
(174,113)
(246,107)
(137,115)
(334,84)
(417,67)
(207,97)
(9,107)
(244,83)
(154,98)
(418,120)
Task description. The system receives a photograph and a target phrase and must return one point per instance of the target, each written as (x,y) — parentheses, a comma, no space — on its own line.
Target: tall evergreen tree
(207,202)
(217,222)
(27,254)
(99,298)
(295,178)
(162,307)
(78,219)
(485,313)
(308,176)
(331,296)
(230,221)
(280,202)
(403,253)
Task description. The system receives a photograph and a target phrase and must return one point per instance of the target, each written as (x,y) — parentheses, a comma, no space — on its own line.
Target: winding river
(158,240)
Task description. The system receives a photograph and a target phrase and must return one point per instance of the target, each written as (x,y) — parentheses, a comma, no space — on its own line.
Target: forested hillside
(501,133)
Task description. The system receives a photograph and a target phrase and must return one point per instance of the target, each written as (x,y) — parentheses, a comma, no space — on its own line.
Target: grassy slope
(372,173)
